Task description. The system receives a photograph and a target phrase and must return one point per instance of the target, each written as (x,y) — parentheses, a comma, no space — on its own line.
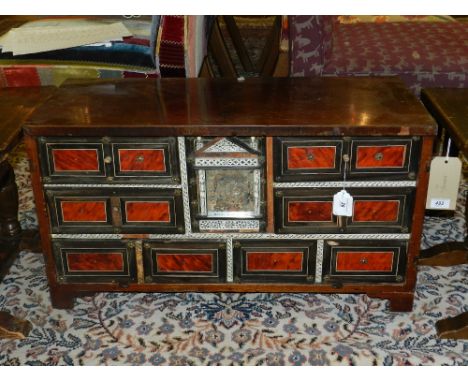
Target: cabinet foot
(399,302)
(62,300)
(12,327)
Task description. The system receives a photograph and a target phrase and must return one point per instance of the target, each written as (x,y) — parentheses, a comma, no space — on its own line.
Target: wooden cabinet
(219,185)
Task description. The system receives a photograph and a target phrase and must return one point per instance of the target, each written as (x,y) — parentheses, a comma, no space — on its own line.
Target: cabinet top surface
(275,106)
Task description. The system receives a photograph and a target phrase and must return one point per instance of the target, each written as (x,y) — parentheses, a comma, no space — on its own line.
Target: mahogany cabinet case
(228,186)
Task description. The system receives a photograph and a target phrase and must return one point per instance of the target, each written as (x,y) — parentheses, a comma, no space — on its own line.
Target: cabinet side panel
(41,208)
(419,208)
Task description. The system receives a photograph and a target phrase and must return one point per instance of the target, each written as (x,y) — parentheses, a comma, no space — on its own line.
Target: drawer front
(156,159)
(106,211)
(274,261)
(152,212)
(305,211)
(110,159)
(185,261)
(303,158)
(381,210)
(75,212)
(77,159)
(98,261)
(362,261)
(374,210)
(384,157)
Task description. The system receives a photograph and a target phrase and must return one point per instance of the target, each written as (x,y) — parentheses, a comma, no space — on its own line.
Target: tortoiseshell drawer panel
(72,211)
(363,261)
(155,158)
(78,159)
(302,158)
(385,157)
(185,261)
(376,261)
(86,211)
(152,211)
(376,210)
(144,160)
(147,211)
(94,261)
(381,210)
(304,211)
(269,261)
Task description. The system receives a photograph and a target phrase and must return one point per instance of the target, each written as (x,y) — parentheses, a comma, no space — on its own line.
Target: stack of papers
(53,34)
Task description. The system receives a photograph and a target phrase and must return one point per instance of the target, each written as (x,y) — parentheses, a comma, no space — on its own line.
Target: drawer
(305,159)
(305,211)
(77,159)
(364,261)
(384,157)
(381,210)
(155,159)
(274,261)
(185,261)
(95,261)
(106,210)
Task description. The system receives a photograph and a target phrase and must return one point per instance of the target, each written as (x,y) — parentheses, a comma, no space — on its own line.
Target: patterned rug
(231,328)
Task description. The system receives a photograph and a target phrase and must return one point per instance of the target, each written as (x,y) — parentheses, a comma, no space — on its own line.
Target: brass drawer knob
(108,159)
(140,158)
(363,261)
(310,156)
(378,156)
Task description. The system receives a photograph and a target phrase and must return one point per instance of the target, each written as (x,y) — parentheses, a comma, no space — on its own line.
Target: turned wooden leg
(10,226)
(10,239)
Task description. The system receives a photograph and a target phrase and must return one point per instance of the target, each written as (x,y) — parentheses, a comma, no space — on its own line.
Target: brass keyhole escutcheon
(108,159)
(310,156)
(378,156)
(140,158)
(363,261)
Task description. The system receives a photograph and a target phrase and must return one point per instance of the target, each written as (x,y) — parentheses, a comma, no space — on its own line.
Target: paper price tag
(342,204)
(444,181)
(440,204)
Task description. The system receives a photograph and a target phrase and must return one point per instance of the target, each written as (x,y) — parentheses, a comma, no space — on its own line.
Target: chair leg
(220,52)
